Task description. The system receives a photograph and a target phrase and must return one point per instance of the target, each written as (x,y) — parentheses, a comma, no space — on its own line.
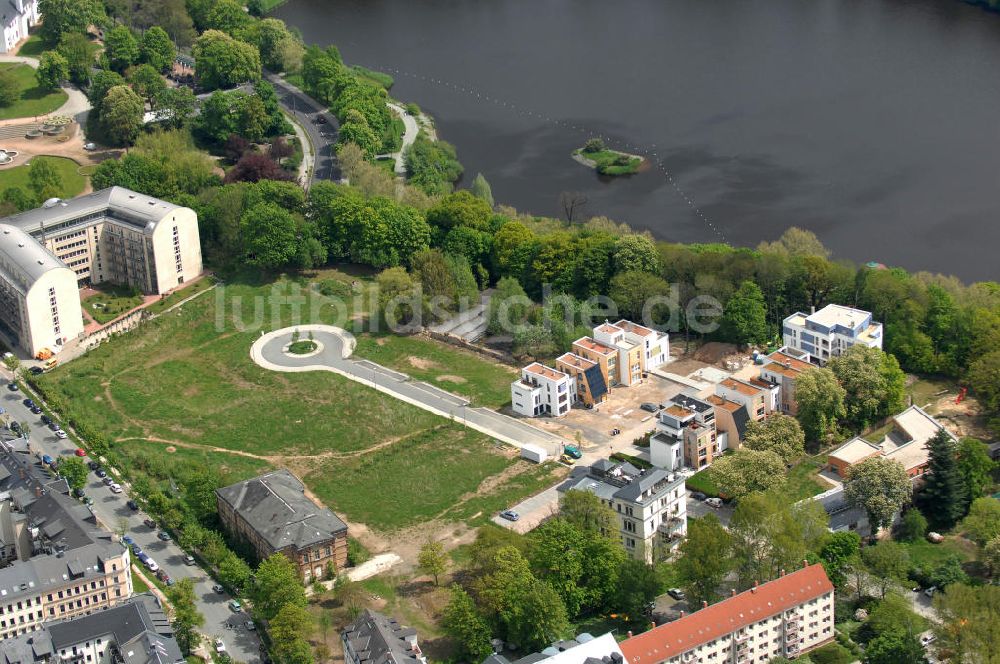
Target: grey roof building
(375,638)
(582,649)
(136,632)
(274,514)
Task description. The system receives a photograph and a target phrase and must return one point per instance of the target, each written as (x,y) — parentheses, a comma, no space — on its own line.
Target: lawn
(110,302)
(170,300)
(485,382)
(34,47)
(704,482)
(72,182)
(832,653)
(34,101)
(182,392)
(138,585)
(436,473)
(924,553)
(802,481)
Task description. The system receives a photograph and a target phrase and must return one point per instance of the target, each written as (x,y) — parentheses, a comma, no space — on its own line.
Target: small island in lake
(595,154)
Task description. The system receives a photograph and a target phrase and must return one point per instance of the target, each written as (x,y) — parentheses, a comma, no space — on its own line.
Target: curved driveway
(268,352)
(323,137)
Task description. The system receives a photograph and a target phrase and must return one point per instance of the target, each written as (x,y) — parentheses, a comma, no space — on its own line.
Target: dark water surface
(874,123)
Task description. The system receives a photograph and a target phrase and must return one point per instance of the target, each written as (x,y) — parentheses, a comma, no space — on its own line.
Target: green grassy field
(34,47)
(111,302)
(606,162)
(34,101)
(485,383)
(72,182)
(170,300)
(927,554)
(181,391)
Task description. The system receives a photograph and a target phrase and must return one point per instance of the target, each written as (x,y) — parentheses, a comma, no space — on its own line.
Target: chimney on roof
(629,634)
(704,604)
(805,564)
(732,592)
(682,614)
(754,589)
(782,571)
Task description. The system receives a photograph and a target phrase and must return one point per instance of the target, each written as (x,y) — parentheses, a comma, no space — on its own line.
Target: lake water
(873,123)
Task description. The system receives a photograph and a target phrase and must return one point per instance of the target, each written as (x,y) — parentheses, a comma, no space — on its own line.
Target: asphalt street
(403,387)
(110,508)
(323,135)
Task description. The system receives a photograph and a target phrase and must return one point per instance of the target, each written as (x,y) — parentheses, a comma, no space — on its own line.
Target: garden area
(22,97)
(72,183)
(801,481)
(183,389)
(107,302)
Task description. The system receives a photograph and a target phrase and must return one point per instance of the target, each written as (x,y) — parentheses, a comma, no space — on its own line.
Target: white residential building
(686,435)
(786,617)
(656,346)
(781,369)
(542,390)
(830,331)
(17,16)
(651,504)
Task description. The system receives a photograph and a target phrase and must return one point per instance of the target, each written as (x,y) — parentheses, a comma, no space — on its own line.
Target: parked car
(28,402)
(132,505)
(54,426)
(567,459)
(151,564)
(12,386)
(127,539)
(47,460)
(698,495)
(218,589)
(220,647)
(250,626)
(100,473)
(573,451)
(89,147)
(149,523)
(676,593)
(79,452)
(714,502)
(510,515)
(93,465)
(78,493)
(60,434)
(137,551)
(650,407)
(87,500)
(189,560)
(46,420)
(235,606)
(163,535)
(15,427)
(108,481)
(116,488)
(36,371)
(36,409)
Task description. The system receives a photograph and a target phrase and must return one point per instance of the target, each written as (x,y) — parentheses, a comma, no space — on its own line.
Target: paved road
(110,508)
(268,352)
(323,136)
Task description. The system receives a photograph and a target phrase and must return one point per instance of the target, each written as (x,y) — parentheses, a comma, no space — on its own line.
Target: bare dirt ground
(962,419)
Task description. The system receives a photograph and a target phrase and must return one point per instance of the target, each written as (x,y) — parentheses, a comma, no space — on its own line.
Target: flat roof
(547,372)
(837,314)
(634,328)
(666,641)
(574,360)
(855,450)
(594,345)
(140,210)
(718,401)
(786,364)
(608,328)
(740,386)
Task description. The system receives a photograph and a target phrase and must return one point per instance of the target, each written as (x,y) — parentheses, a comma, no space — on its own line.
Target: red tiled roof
(669,640)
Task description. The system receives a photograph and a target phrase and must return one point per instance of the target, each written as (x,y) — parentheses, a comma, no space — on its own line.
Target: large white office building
(114,235)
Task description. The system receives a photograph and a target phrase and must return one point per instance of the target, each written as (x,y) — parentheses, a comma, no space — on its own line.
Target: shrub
(593,145)
(412,109)
(356,552)
(913,526)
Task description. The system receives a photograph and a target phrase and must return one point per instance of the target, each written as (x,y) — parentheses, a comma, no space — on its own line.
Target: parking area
(696,509)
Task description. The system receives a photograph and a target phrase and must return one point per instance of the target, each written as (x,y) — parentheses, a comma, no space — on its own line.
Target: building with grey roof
(375,638)
(134,632)
(651,505)
(114,235)
(582,649)
(60,563)
(273,513)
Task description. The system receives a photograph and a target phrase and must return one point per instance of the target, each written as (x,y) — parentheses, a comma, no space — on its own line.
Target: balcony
(741,639)
(791,639)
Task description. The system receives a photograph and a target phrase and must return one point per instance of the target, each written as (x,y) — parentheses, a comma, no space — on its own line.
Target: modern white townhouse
(827,333)
(781,369)
(686,435)
(786,617)
(651,505)
(542,390)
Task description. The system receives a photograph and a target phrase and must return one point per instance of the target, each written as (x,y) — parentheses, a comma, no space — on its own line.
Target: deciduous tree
(157,50)
(744,319)
(433,560)
(62,16)
(778,433)
(121,115)
(75,47)
(913,526)
(748,471)
(636,253)
(631,291)
(873,381)
(888,563)
(121,47)
(271,234)
(289,630)
(480,188)
(820,400)
(879,486)
(222,62)
(10,89)
(970,623)
(991,557)
(43,179)
(838,552)
(983,521)
(277,585)
(705,559)
(75,471)
(464,624)
(976,468)
(52,70)
(186,617)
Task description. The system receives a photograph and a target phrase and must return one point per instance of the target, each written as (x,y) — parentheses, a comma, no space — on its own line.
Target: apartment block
(786,617)
(655,346)
(906,442)
(630,353)
(274,515)
(781,368)
(59,562)
(374,638)
(651,505)
(731,420)
(542,390)
(134,632)
(114,235)
(590,386)
(827,333)
(754,396)
(604,355)
(686,435)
